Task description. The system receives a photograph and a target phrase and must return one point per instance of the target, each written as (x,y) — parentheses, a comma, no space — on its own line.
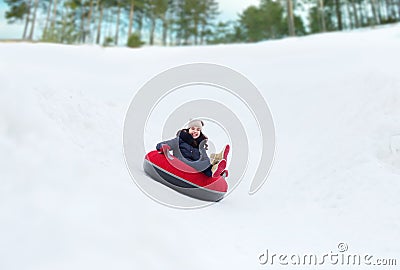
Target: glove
(164,149)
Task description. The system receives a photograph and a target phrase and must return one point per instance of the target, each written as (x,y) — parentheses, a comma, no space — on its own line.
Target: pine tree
(18,11)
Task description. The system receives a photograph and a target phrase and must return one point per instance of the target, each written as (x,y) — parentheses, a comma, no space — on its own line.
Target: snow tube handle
(165,150)
(169,156)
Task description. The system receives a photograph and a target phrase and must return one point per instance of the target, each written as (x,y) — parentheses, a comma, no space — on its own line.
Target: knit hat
(195,123)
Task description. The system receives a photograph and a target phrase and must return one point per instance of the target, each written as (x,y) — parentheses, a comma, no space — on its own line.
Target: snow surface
(67,200)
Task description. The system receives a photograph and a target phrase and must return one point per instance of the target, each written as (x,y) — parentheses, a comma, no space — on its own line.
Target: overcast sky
(228,9)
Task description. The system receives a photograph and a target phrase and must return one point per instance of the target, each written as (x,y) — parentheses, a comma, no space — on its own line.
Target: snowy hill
(67,200)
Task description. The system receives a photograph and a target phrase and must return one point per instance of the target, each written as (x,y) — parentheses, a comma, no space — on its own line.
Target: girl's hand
(164,149)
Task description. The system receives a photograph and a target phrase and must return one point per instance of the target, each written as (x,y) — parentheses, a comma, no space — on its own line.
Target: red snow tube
(179,176)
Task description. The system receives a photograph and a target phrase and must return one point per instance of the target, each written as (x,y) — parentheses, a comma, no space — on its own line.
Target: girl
(190,146)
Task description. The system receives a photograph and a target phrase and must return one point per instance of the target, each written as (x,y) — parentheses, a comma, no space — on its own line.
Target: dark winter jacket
(184,145)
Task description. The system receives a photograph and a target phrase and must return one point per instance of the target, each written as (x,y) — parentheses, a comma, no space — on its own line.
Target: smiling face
(195,132)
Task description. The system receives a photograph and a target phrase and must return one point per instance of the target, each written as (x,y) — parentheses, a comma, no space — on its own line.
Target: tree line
(190,22)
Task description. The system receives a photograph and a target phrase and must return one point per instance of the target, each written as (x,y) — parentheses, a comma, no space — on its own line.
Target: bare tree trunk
(351,22)
(152,30)
(33,20)
(322,15)
(388,8)
(364,15)
(364,9)
(398,8)
(99,24)
(140,25)
(289,4)
(196,31)
(339,14)
(374,13)
(186,38)
(379,10)
(27,20)
(117,26)
(131,16)
(203,26)
(355,11)
(26,26)
(54,16)
(392,9)
(89,21)
(82,25)
(109,20)
(47,19)
(164,30)
(64,11)
(172,41)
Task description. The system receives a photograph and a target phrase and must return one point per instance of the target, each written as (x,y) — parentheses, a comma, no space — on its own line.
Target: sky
(8,30)
(228,8)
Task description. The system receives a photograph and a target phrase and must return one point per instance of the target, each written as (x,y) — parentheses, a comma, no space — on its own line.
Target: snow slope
(67,200)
